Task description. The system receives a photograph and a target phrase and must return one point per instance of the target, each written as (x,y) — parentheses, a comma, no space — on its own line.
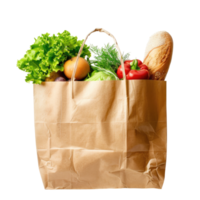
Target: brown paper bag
(101,134)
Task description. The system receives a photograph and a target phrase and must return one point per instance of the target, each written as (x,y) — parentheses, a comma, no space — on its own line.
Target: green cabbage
(48,54)
(100,76)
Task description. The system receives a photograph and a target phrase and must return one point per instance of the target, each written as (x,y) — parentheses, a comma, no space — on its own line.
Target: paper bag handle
(79,53)
(124,81)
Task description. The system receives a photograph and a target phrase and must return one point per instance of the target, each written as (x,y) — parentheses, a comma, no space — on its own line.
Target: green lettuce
(48,54)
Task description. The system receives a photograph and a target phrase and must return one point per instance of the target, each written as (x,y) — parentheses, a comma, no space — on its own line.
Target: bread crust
(158,58)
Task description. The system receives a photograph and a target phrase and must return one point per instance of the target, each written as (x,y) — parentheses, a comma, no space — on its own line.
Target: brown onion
(83,68)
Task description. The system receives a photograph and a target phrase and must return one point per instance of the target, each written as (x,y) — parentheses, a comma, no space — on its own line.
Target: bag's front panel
(47,101)
(43,162)
(60,173)
(85,143)
(95,110)
(97,168)
(60,135)
(97,134)
(99,102)
(81,168)
(98,90)
(41,135)
(81,155)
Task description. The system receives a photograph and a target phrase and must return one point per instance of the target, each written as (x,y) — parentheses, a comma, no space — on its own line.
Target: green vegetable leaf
(106,60)
(105,57)
(99,76)
(48,54)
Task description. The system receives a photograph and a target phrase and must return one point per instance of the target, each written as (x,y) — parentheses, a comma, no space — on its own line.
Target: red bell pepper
(143,66)
(140,73)
(139,62)
(130,61)
(133,70)
(120,71)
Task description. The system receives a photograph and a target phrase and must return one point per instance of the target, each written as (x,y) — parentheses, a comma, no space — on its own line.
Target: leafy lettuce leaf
(48,54)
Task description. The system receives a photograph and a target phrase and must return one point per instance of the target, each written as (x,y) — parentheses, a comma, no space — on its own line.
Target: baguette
(158,55)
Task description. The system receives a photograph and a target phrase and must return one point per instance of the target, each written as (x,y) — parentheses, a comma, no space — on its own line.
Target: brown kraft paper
(101,134)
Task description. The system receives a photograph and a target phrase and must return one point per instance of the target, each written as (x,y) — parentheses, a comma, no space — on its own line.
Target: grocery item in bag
(158,55)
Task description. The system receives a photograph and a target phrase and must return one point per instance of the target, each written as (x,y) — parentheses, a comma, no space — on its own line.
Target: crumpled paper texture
(83,143)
